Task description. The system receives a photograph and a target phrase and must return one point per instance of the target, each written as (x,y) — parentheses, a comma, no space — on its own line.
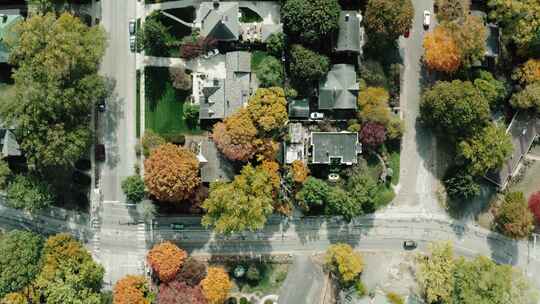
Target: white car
(427,19)
(131,27)
(316,115)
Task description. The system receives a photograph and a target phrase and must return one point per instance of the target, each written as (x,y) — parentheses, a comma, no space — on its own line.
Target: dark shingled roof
(349,32)
(214,166)
(339,89)
(523,129)
(299,108)
(219,20)
(343,146)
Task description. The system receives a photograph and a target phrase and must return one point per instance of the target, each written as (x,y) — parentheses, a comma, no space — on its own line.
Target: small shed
(299,108)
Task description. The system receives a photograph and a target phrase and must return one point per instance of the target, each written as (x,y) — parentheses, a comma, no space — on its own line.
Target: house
(304,284)
(219,20)
(298,108)
(7,19)
(349,36)
(335,148)
(223,97)
(214,166)
(339,89)
(523,130)
(294,148)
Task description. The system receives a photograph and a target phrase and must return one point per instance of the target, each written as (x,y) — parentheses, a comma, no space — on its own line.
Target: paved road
(118,246)
(418,181)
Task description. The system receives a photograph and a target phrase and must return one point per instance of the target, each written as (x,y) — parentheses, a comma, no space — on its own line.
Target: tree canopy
(307,65)
(54,95)
(487,149)
(534,205)
(235,136)
(192,272)
(216,285)
(29,193)
(171,173)
(514,218)
(312,21)
(344,262)
(528,72)
(242,204)
(314,192)
(133,187)
(300,171)
(390,18)
(166,259)
(373,105)
(451,10)
(270,72)
(268,109)
(455,109)
(441,52)
(180,293)
(528,98)
(131,289)
(20,254)
(495,91)
(470,37)
(436,273)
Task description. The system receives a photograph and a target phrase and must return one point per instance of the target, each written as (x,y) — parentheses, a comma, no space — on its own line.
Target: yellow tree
(235,136)
(436,273)
(166,259)
(441,52)
(528,73)
(268,109)
(344,262)
(132,289)
(300,171)
(171,173)
(373,103)
(216,285)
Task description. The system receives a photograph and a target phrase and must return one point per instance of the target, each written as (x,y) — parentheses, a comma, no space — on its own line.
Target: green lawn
(164,105)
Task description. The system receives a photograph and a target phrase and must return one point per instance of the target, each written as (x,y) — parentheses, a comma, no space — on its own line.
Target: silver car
(132,27)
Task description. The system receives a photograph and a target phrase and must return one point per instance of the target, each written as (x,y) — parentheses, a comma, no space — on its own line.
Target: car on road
(316,115)
(132,27)
(427,19)
(132,43)
(177,226)
(100,152)
(409,244)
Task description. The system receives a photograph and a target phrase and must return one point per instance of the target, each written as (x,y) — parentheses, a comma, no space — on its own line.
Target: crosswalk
(96,229)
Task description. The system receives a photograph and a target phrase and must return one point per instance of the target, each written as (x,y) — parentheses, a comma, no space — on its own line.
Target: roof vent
(216,4)
(347,18)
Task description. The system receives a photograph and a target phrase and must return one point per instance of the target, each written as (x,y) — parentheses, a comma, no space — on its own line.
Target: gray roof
(304,283)
(9,144)
(339,89)
(492,40)
(214,166)
(349,32)
(269,29)
(223,97)
(299,108)
(219,20)
(343,146)
(7,19)
(523,129)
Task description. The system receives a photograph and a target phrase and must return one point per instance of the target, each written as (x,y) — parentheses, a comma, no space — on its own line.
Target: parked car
(316,115)
(132,27)
(132,43)
(427,19)
(80,178)
(100,152)
(177,226)
(409,244)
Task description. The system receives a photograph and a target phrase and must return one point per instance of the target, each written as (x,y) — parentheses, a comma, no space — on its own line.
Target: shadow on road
(503,250)
(108,122)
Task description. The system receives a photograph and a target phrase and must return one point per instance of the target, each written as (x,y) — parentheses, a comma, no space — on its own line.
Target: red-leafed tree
(534,205)
(192,272)
(180,293)
(194,48)
(372,134)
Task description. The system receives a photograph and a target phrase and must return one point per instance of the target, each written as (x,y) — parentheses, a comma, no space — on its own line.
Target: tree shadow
(503,250)
(108,122)
(341,231)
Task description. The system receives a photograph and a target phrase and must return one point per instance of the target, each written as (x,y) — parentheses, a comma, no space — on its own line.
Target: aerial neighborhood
(269,152)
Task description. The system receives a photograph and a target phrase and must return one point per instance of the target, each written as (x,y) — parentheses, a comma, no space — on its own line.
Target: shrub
(344,262)
(534,205)
(253,274)
(191,115)
(360,288)
(178,139)
(372,134)
(373,74)
(270,72)
(150,141)
(275,44)
(394,298)
(133,187)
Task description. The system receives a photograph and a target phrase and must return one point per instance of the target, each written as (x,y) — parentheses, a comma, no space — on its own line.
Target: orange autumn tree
(441,52)
(216,285)
(235,136)
(300,171)
(131,289)
(171,173)
(166,259)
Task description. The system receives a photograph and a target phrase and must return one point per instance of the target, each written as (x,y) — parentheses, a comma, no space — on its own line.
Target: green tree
(460,185)
(307,65)
(150,141)
(436,273)
(528,98)
(362,189)
(5,174)
(242,204)
(339,202)
(314,192)
(312,21)
(29,193)
(54,95)
(451,10)
(485,150)
(493,90)
(275,44)
(341,260)
(154,36)
(191,115)
(69,275)
(514,218)
(20,253)
(133,187)
(270,72)
(470,37)
(389,18)
(454,109)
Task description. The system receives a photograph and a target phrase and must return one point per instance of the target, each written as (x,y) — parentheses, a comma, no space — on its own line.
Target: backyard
(164,105)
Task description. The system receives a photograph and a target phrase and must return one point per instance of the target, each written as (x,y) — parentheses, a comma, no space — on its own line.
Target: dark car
(82,179)
(100,152)
(409,244)
(101,106)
